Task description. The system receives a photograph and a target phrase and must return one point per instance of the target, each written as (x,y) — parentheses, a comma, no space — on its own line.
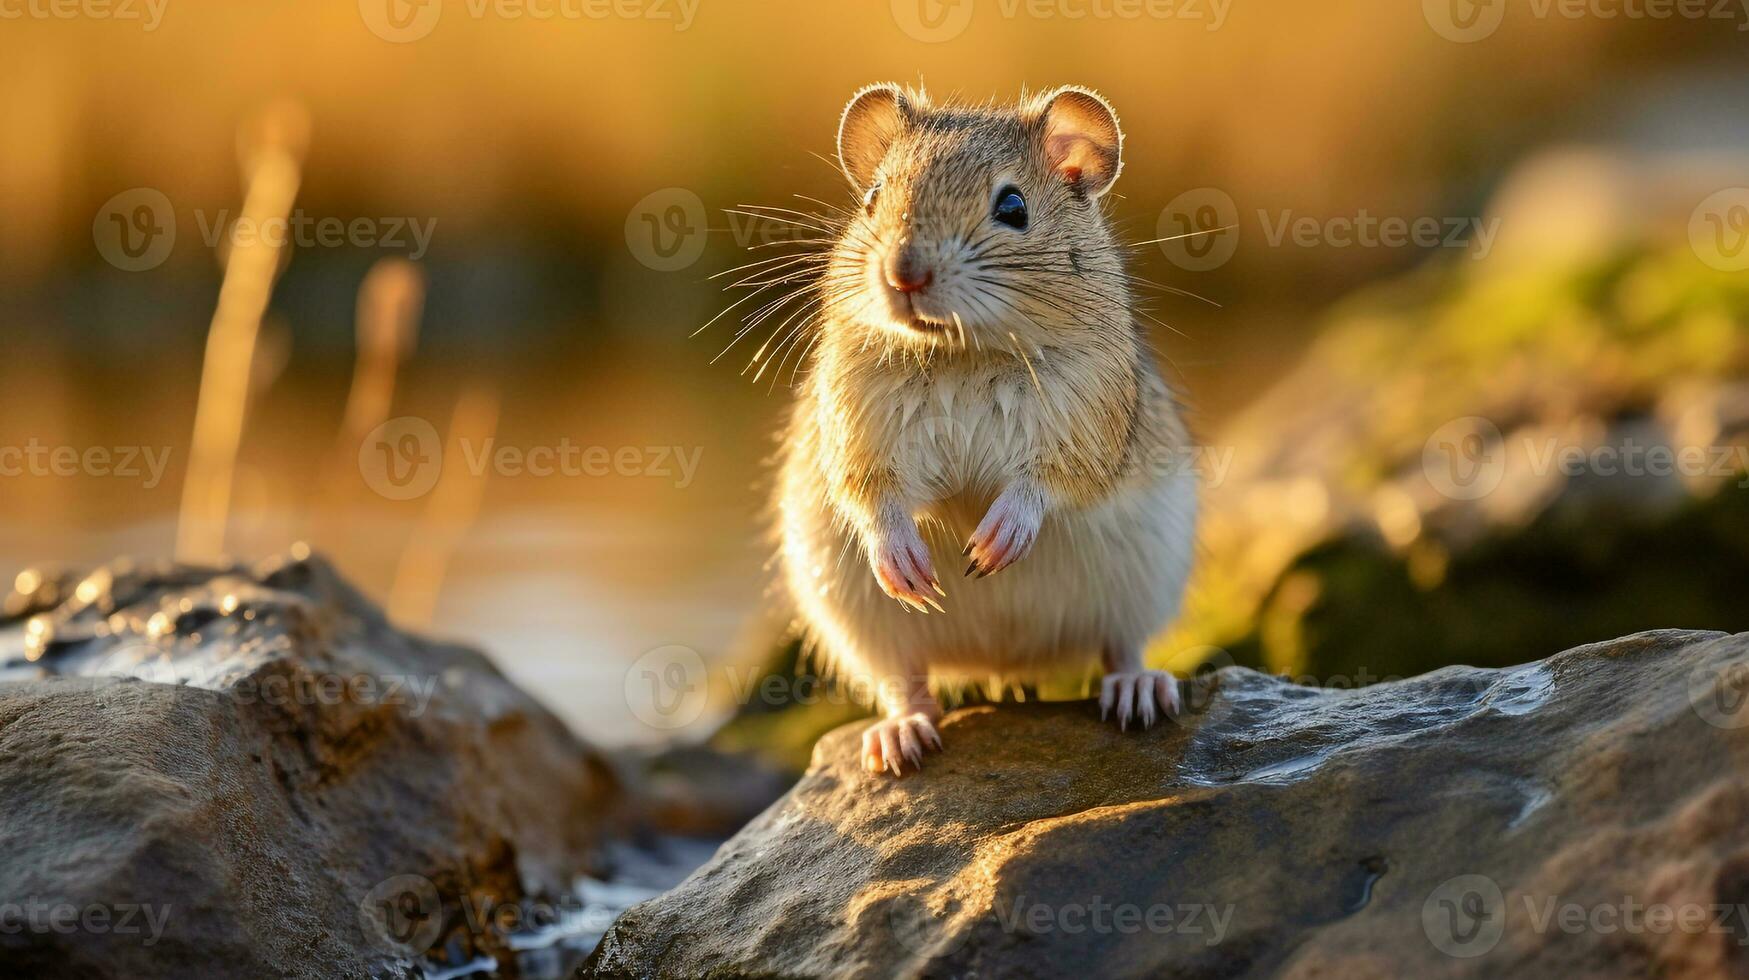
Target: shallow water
(572,927)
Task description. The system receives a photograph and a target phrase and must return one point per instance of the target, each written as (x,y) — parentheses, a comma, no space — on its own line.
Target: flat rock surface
(246,771)
(1587,815)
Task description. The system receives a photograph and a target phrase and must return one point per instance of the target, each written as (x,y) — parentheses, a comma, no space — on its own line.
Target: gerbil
(981,391)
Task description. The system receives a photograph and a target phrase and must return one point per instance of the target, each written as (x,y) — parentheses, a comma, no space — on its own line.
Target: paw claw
(1006,534)
(889,745)
(903,570)
(1145,696)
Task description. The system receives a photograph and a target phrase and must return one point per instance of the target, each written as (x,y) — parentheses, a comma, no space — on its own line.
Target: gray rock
(1587,815)
(249,772)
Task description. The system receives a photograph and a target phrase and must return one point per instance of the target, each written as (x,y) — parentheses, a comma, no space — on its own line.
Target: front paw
(892,743)
(902,566)
(1139,694)
(1007,532)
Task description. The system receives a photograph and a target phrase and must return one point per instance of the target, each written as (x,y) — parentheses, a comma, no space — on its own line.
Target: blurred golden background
(494,171)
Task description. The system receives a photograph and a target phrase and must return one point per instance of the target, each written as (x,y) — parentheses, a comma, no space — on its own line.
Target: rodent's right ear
(871,121)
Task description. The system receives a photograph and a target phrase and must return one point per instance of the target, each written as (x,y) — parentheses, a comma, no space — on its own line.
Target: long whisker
(1174,238)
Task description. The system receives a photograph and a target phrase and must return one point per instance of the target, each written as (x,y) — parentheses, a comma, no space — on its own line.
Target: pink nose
(906,272)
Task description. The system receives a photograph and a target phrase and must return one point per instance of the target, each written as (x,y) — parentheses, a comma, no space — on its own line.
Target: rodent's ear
(873,118)
(1082,139)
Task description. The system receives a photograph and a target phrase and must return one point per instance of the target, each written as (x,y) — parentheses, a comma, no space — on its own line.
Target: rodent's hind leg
(907,731)
(1134,691)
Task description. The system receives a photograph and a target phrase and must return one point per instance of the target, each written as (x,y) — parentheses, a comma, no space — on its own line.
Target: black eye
(868,199)
(1010,208)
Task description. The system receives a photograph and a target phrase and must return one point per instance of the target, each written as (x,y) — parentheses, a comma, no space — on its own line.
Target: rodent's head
(978,225)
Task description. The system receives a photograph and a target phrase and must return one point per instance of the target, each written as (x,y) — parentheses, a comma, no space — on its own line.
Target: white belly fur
(1104,577)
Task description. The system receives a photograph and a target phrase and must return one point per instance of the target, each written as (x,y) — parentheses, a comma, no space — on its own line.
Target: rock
(249,772)
(699,792)
(1485,461)
(1584,815)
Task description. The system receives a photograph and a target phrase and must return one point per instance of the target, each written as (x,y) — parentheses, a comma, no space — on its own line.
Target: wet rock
(1583,815)
(236,771)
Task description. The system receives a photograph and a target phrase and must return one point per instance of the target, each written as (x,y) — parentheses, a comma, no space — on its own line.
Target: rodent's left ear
(1082,139)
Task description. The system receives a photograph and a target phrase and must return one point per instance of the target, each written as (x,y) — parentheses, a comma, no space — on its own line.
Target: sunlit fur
(1028,365)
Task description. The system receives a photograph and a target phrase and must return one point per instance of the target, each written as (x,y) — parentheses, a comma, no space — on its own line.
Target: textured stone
(259,763)
(1456,823)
